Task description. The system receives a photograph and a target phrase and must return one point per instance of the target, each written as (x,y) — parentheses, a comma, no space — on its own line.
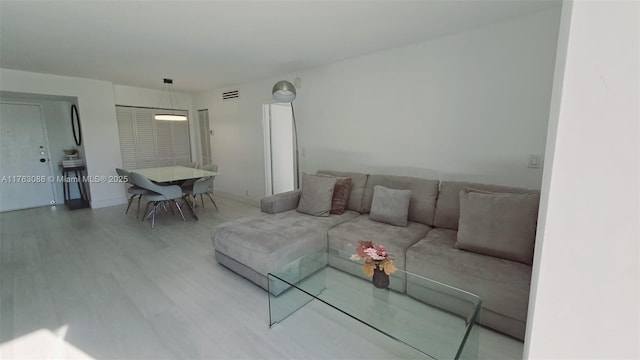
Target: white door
(25,172)
(279,148)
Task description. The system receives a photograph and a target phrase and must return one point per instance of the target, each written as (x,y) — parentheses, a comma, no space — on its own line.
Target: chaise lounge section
(256,246)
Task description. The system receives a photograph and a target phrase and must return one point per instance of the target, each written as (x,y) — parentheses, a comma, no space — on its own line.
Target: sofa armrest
(280,202)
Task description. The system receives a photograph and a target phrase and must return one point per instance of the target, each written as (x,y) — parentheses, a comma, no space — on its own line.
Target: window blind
(146,142)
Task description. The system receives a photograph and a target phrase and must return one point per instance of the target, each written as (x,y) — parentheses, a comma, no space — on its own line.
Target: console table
(74,174)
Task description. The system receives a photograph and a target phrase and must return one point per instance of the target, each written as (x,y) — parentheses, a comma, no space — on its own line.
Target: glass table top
(436,319)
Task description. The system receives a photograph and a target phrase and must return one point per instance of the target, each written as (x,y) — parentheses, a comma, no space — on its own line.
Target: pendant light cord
(164,86)
(171,97)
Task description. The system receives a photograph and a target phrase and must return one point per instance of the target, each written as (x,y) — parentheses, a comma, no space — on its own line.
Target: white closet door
(205,137)
(127,134)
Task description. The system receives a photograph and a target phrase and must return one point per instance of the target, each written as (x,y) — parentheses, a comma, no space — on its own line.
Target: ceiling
(207,45)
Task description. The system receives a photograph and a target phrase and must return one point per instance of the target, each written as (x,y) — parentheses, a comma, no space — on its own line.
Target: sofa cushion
(317,193)
(358,182)
(447,211)
(424,193)
(498,224)
(390,206)
(395,239)
(343,239)
(264,243)
(503,285)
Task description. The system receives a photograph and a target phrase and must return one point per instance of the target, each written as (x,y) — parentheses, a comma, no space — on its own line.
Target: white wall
(142,97)
(585,296)
(470,106)
(237,142)
(96,108)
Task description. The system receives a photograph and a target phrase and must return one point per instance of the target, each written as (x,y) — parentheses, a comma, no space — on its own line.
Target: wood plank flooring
(101,284)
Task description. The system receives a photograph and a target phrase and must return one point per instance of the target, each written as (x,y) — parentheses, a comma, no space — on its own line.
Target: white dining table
(165,174)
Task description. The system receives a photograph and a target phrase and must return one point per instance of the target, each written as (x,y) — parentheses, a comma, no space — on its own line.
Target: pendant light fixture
(284,91)
(168,83)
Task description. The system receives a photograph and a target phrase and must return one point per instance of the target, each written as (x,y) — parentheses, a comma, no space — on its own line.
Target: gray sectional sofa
(429,245)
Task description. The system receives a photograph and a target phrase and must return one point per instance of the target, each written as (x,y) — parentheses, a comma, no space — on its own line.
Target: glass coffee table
(438,320)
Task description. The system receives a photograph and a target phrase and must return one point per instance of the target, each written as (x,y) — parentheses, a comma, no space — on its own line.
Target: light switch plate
(534,161)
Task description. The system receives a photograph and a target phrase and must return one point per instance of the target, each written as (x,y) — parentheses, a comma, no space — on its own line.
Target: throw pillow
(390,206)
(341,193)
(498,224)
(317,192)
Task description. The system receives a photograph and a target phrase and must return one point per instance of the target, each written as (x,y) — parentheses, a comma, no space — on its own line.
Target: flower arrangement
(374,256)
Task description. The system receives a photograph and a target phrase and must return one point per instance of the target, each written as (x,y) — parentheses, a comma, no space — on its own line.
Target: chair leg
(129,204)
(179,209)
(164,206)
(138,211)
(153,219)
(153,212)
(185,201)
(213,202)
(201,201)
(194,201)
(146,215)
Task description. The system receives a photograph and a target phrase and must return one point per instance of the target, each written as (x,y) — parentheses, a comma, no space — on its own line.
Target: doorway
(26,179)
(279,148)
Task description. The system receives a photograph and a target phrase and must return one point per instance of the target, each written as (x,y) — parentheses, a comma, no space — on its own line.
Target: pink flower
(373,253)
(380,250)
(362,245)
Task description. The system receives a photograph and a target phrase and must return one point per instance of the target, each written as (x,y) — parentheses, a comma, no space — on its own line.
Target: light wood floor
(100,284)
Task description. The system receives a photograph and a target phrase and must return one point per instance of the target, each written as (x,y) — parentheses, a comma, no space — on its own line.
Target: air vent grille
(230,95)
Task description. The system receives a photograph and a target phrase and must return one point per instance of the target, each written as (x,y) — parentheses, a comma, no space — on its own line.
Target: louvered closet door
(205,139)
(127,135)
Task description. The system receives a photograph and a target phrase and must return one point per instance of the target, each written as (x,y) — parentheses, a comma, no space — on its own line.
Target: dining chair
(201,187)
(195,165)
(210,167)
(133,190)
(162,194)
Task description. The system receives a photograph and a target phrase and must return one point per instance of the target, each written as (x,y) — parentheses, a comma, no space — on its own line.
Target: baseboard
(96,204)
(237,198)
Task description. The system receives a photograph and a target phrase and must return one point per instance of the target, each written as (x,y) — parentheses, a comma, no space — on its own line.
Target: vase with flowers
(377,262)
